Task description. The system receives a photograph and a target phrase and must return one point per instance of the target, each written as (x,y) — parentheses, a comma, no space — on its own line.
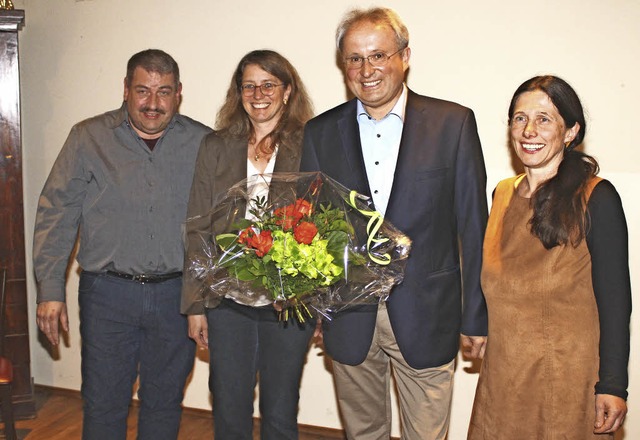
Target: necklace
(257,155)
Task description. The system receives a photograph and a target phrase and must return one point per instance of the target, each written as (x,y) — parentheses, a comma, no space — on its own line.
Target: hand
(610,412)
(473,347)
(199,330)
(48,315)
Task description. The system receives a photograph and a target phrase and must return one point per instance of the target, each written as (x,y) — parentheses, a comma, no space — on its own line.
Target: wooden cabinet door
(12,252)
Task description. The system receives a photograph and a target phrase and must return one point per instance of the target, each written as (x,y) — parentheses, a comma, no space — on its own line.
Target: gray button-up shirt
(127,202)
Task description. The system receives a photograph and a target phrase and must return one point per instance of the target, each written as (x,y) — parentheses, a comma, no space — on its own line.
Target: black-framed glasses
(267,89)
(377,59)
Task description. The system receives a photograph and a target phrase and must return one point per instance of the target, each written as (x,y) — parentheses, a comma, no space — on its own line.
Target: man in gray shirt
(121,181)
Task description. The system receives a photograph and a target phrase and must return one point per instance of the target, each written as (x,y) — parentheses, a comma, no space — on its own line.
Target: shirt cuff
(51,290)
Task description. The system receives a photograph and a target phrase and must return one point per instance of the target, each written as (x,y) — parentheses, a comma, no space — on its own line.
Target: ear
(287,92)
(125,94)
(406,55)
(571,133)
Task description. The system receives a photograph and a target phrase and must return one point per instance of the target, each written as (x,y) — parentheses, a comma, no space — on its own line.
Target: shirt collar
(398,109)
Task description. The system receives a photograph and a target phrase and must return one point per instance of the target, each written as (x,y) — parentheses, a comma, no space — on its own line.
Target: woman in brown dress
(556,280)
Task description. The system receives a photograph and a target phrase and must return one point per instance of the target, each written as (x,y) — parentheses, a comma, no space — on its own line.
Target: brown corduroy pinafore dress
(541,365)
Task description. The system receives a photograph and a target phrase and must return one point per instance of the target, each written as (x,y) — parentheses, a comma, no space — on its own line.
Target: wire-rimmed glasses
(377,59)
(267,89)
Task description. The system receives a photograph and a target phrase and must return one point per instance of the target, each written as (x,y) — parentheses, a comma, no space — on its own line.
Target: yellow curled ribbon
(373,226)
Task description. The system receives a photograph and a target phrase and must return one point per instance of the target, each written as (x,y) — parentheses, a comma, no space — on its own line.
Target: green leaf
(227,241)
(245,275)
(336,242)
(241,224)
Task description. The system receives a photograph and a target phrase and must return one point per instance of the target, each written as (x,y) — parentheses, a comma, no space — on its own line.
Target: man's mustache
(155,110)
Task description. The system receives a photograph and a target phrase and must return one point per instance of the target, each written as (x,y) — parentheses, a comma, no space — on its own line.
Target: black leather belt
(142,278)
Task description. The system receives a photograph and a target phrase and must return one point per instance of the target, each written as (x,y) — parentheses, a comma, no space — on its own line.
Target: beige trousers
(364,395)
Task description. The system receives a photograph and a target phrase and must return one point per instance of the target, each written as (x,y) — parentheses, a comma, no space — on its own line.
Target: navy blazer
(439,200)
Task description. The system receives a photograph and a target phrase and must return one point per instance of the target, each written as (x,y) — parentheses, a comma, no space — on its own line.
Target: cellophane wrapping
(307,244)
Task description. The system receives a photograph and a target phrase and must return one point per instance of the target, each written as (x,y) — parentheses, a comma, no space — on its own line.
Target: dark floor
(59,417)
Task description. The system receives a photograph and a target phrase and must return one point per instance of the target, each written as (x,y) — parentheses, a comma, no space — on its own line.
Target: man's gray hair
(376,15)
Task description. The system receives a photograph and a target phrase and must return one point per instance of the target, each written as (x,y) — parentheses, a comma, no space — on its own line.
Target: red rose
(261,243)
(315,186)
(303,208)
(286,217)
(245,235)
(305,232)
(289,216)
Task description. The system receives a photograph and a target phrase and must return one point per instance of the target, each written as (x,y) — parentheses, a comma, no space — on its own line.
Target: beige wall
(73,55)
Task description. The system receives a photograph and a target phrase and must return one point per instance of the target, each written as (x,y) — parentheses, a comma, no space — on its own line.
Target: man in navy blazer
(420,161)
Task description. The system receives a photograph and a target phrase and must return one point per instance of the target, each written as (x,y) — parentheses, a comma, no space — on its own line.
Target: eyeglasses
(267,89)
(377,59)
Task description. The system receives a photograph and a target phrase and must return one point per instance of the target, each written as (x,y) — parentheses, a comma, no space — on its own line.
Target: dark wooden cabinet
(12,250)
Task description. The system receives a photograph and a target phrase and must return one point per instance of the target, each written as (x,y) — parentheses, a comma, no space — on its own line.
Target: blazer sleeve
(198,225)
(471,219)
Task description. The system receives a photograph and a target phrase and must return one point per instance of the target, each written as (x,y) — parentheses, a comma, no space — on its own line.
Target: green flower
(312,261)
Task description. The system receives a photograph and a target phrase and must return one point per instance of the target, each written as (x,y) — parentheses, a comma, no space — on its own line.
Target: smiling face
(538,133)
(263,110)
(152,100)
(378,88)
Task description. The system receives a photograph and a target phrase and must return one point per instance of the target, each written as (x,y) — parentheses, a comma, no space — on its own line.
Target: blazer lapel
(408,142)
(235,157)
(287,161)
(352,149)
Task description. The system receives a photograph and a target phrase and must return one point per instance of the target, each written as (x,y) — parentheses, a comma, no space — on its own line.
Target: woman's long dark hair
(233,121)
(559,203)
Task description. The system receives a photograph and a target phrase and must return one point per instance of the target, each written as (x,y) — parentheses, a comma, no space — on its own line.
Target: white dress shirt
(380,146)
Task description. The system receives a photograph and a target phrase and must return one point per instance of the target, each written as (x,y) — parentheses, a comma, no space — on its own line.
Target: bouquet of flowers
(305,243)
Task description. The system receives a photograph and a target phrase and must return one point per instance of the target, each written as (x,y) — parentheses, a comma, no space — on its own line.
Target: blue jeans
(245,341)
(127,329)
